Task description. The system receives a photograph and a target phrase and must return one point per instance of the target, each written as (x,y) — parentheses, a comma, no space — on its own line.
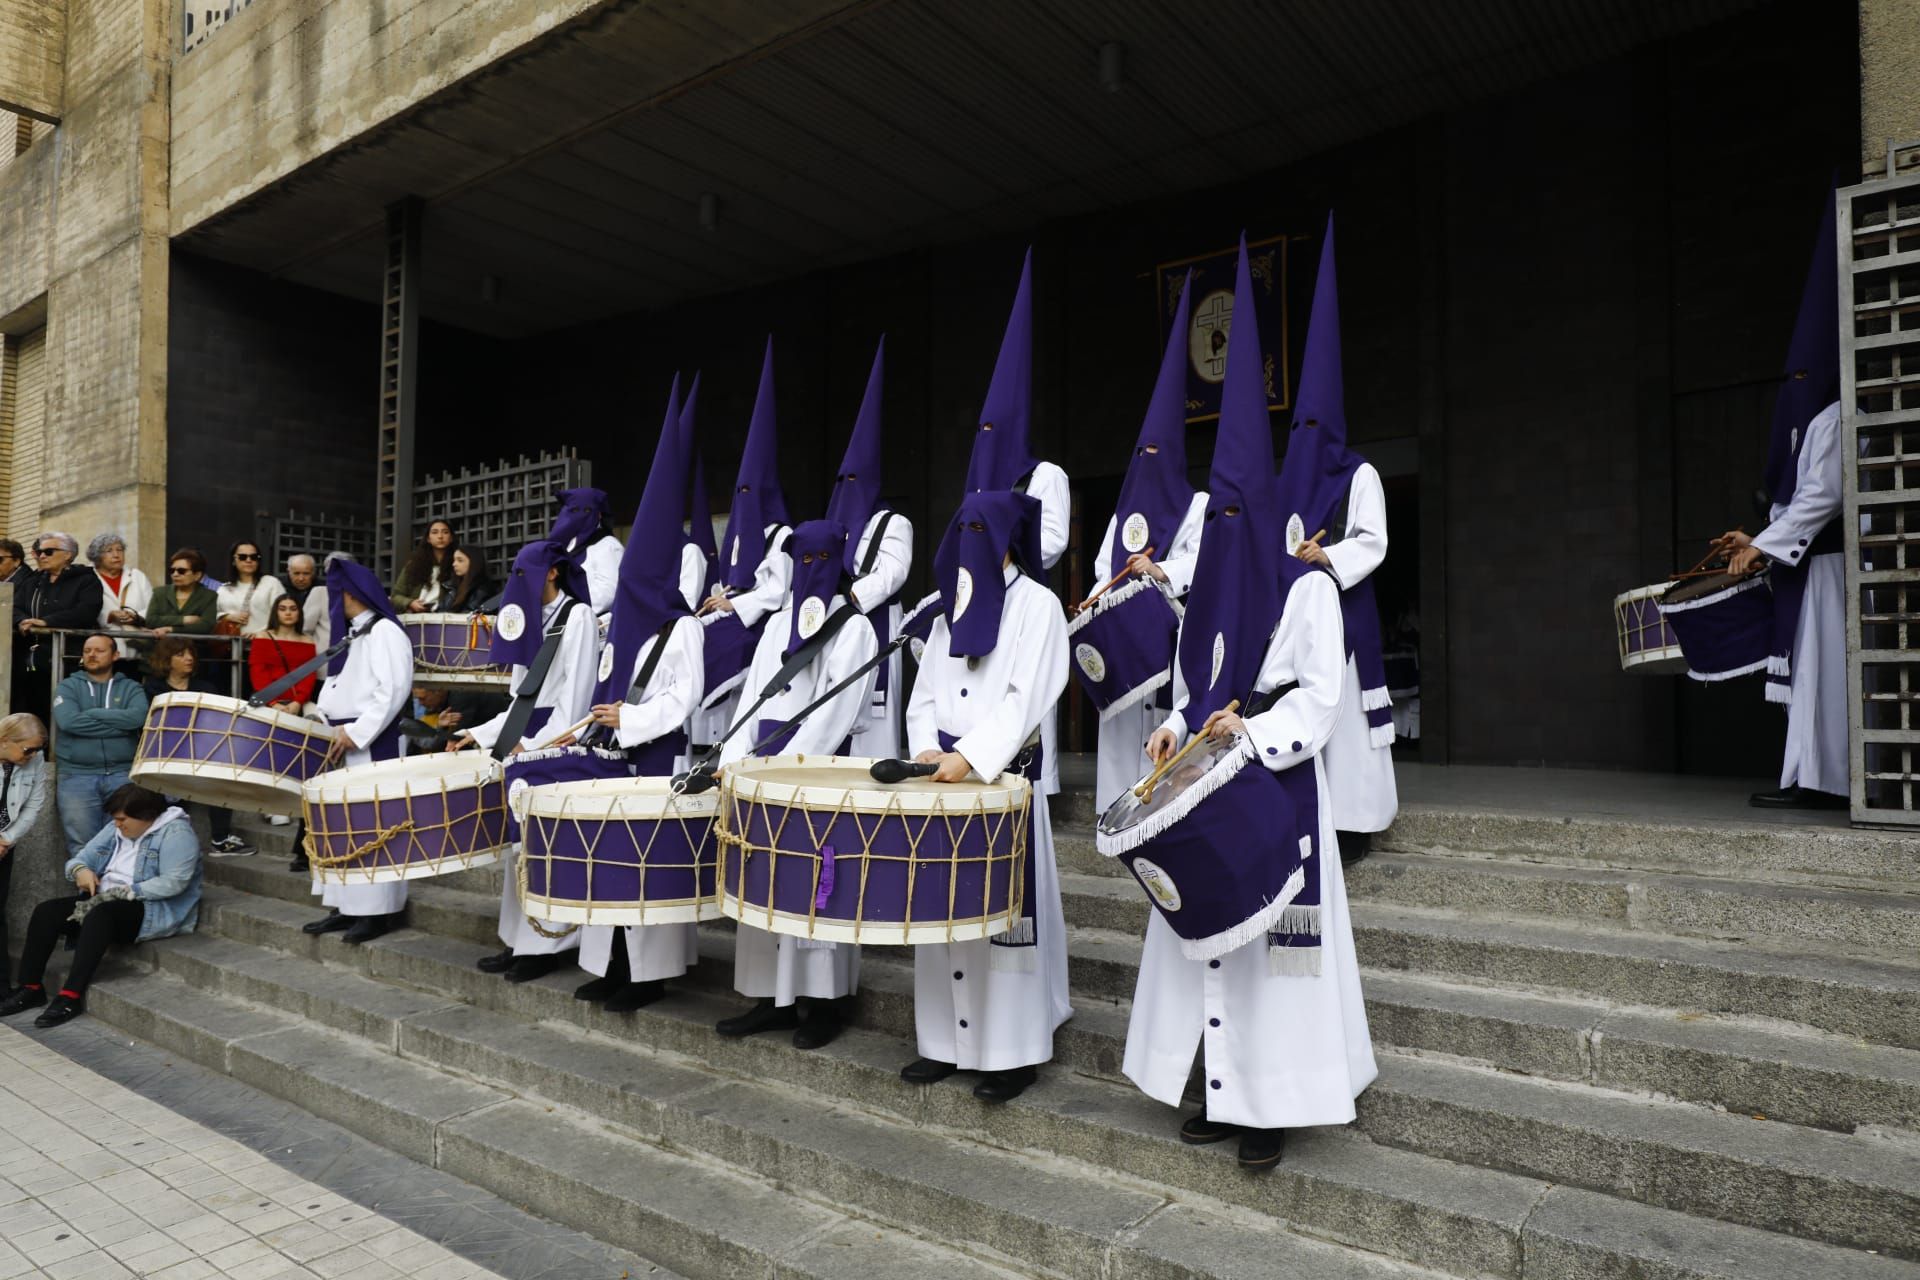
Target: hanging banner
(1212,319)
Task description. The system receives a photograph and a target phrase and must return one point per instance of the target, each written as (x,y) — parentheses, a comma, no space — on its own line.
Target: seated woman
(472,587)
(24,785)
(139,879)
(175,668)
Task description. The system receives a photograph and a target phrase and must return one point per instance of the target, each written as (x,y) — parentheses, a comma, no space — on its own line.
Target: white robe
(567,692)
(1048,484)
(1816,752)
(602,567)
(1280,1050)
(771,578)
(978,1006)
(655,951)
(693,575)
(1121,759)
(779,965)
(373,687)
(1360,774)
(877,732)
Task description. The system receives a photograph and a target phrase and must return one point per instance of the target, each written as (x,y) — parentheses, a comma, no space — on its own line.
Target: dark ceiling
(572,172)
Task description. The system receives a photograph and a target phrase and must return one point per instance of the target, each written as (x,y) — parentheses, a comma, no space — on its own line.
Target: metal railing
(235,656)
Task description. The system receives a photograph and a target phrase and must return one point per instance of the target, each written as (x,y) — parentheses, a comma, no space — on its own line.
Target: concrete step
(581,1057)
(681,1211)
(1669,1153)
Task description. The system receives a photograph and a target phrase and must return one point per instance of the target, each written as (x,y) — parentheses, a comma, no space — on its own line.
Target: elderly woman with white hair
(57,595)
(125,592)
(23,796)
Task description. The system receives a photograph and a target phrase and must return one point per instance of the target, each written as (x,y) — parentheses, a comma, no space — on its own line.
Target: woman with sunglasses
(185,605)
(246,597)
(23,794)
(54,595)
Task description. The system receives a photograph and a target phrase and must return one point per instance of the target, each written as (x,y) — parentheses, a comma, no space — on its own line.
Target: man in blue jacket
(97,715)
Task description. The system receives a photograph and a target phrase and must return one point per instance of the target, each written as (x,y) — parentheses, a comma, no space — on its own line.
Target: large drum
(1123,646)
(222,751)
(1223,846)
(812,846)
(1724,624)
(454,651)
(528,771)
(1647,644)
(406,819)
(617,851)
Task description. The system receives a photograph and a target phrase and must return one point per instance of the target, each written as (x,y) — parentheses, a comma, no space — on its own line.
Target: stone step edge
(1620,1110)
(456,1147)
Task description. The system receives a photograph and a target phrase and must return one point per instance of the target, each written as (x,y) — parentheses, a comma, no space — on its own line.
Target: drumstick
(1145,790)
(730,593)
(568,732)
(1111,583)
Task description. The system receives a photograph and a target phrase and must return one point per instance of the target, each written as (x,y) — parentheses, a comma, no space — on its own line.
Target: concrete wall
(1889,78)
(33,41)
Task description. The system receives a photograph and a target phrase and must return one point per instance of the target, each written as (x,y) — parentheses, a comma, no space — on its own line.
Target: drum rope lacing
(257,753)
(359,852)
(481,823)
(616,816)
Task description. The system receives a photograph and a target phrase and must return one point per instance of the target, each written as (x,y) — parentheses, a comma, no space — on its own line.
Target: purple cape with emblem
(526,582)
(819,550)
(968,566)
(344,576)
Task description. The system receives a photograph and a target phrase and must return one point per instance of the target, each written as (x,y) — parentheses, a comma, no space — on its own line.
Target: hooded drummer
(549,586)
(367,689)
(1154,533)
(993,668)
(583,533)
(1325,486)
(799,981)
(650,682)
(877,562)
(1278,1019)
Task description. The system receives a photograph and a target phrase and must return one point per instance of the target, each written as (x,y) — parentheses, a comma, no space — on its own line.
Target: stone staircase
(1609,1051)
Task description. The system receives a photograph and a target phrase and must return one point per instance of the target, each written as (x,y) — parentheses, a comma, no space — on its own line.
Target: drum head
(1129,811)
(221,787)
(829,782)
(1695,588)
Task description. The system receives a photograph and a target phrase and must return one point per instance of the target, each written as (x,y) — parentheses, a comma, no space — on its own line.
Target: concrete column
(1889,79)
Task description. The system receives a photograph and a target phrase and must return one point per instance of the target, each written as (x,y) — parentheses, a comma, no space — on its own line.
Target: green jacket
(97,727)
(163,611)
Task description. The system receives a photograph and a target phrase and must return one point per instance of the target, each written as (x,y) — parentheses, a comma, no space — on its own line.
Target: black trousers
(106,924)
(6,956)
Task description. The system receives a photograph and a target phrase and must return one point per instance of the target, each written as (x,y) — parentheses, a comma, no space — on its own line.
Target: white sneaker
(279,820)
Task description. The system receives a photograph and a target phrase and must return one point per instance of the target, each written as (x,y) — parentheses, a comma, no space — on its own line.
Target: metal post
(399,367)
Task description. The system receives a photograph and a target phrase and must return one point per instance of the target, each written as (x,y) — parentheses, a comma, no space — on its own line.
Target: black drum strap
(522,709)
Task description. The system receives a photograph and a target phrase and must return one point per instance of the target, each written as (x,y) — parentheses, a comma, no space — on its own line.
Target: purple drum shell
(727,647)
(1123,646)
(441,643)
(219,751)
(594,856)
(551,765)
(1647,642)
(1727,633)
(453,828)
(888,888)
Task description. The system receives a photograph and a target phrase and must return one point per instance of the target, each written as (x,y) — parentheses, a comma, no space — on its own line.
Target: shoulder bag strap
(522,709)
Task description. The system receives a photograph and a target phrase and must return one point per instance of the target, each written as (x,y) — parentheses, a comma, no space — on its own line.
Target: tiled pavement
(118,1161)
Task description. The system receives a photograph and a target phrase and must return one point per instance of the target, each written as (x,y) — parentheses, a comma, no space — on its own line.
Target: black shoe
(1198,1131)
(1354,846)
(61,1010)
(332,922)
(1260,1148)
(764,1016)
(1005,1086)
(499,962)
(22,1000)
(367,928)
(926,1071)
(819,1026)
(300,865)
(635,995)
(1797,798)
(527,968)
(598,989)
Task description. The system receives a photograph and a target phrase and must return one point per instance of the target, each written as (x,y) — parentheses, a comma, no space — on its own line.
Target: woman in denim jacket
(139,879)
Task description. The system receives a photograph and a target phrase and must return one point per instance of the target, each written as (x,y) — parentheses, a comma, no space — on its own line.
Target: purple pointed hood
(699,515)
(1318,467)
(343,576)
(968,566)
(517,629)
(1813,361)
(648,594)
(1242,573)
(582,512)
(1001,453)
(819,551)
(1155,494)
(856,486)
(757,500)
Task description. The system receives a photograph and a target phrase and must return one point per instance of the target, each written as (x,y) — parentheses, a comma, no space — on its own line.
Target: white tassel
(1779,692)
(1224,770)
(1257,926)
(1298,919)
(1138,694)
(1780,666)
(1293,962)
(1375,699)
(1021,935)
(1380,735)
(1714,677)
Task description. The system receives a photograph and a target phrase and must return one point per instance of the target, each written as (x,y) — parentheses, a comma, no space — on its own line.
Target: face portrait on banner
(1212,320)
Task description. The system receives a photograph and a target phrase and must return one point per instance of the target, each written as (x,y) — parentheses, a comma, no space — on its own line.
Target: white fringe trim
(1781,667)
(1380,735)
(1375,699)
(1778,691)
(1293,962)
(1014,952)
(726,687)
(1714,677)
(1116,843)
(814,944)
(1725,593)
(1021,935)
(1138,694)
(1298,919)
(926,601)
(1119,596)
(1258,926)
